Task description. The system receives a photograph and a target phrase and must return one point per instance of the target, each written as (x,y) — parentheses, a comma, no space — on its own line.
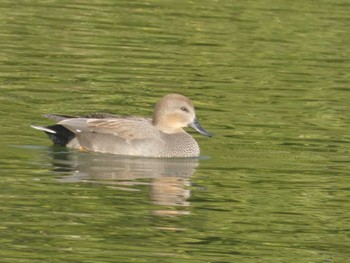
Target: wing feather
(129,128)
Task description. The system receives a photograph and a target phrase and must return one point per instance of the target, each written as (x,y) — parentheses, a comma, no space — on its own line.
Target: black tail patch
(62,135)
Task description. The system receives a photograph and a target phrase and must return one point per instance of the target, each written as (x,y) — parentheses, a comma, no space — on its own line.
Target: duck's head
(174,112)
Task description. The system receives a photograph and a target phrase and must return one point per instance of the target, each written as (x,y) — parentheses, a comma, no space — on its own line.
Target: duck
(162,136)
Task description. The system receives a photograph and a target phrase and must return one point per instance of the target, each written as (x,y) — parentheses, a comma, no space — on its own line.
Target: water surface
(270,79)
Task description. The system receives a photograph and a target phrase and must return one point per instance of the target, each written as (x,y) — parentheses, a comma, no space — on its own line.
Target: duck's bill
(195,125)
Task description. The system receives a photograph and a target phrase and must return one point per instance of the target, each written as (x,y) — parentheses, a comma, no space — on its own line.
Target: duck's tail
(58,134)
(42,128)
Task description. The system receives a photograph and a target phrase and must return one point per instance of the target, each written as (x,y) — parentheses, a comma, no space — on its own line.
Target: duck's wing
(97,115)
(127,136)
(58,117)
(127,128)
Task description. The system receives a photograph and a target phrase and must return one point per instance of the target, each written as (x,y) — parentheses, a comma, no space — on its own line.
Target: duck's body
(162,136)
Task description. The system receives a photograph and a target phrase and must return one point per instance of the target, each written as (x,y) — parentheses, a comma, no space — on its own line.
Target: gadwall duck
(161,136)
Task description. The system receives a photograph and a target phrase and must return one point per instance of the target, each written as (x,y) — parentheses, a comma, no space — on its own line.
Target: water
(270,79)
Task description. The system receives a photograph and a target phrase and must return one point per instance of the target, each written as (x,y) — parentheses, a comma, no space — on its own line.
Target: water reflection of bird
(168,177)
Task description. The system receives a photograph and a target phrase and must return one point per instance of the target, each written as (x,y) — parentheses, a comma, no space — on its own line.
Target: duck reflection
(168,178)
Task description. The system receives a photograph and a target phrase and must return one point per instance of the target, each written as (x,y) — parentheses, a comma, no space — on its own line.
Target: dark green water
(271,79)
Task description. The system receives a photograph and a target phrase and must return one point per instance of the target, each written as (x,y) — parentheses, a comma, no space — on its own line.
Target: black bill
(195,125)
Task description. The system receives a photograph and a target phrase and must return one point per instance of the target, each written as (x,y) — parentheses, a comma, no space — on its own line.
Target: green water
(269,78)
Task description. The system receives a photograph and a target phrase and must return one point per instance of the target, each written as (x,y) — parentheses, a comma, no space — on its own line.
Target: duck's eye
(184,109)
